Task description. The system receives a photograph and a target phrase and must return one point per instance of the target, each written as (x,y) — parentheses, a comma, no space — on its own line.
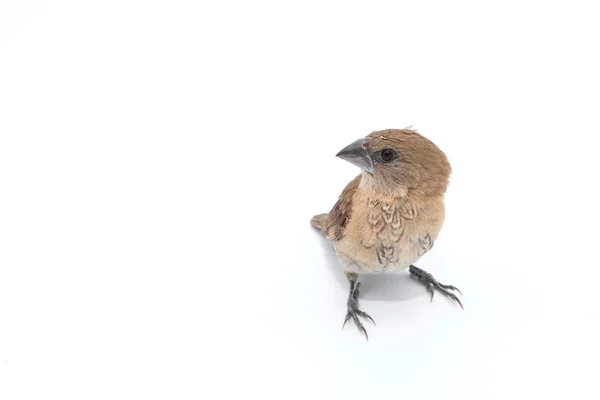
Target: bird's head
(395,161)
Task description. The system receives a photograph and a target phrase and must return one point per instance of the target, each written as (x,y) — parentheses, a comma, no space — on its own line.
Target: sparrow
(391,213)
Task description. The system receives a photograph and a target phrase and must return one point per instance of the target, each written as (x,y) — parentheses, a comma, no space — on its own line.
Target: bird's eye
(388,155)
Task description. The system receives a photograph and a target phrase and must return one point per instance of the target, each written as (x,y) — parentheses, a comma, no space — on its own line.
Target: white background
(160,163)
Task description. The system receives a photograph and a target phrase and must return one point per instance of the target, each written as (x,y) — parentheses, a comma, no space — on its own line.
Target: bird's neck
(377,189)
(391,188)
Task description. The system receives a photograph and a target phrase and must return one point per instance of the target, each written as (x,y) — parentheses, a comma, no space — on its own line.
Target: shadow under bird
(391,214)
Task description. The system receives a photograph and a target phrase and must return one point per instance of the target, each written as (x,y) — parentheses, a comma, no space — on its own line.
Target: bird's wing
(335,224)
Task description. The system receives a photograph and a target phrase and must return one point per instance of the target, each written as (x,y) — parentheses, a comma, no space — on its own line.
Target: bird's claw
(354,312)
(432,285)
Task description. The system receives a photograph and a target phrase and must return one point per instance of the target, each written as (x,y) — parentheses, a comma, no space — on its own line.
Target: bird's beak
(356,153)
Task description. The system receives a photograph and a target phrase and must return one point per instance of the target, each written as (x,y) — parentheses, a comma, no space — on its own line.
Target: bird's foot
(353,311)
(432,285)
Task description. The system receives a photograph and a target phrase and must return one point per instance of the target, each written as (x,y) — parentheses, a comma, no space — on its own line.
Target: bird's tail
(318,220)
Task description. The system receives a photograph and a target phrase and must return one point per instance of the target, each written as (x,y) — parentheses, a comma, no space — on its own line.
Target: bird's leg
(432,285)
(353,310)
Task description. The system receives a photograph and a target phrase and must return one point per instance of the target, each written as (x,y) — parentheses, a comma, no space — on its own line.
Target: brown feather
(338,217)
(319,220)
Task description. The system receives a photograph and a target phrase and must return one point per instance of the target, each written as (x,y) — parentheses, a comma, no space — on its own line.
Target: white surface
(160,163)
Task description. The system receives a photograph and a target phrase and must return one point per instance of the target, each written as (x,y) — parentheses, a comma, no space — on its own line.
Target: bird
(390,214)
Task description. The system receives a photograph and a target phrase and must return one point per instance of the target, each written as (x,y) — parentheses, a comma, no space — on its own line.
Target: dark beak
(356,153)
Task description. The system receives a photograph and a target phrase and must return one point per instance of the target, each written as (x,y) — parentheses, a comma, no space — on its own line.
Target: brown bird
(391,214)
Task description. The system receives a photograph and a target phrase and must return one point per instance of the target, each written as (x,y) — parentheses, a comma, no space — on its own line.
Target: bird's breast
(384,234)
